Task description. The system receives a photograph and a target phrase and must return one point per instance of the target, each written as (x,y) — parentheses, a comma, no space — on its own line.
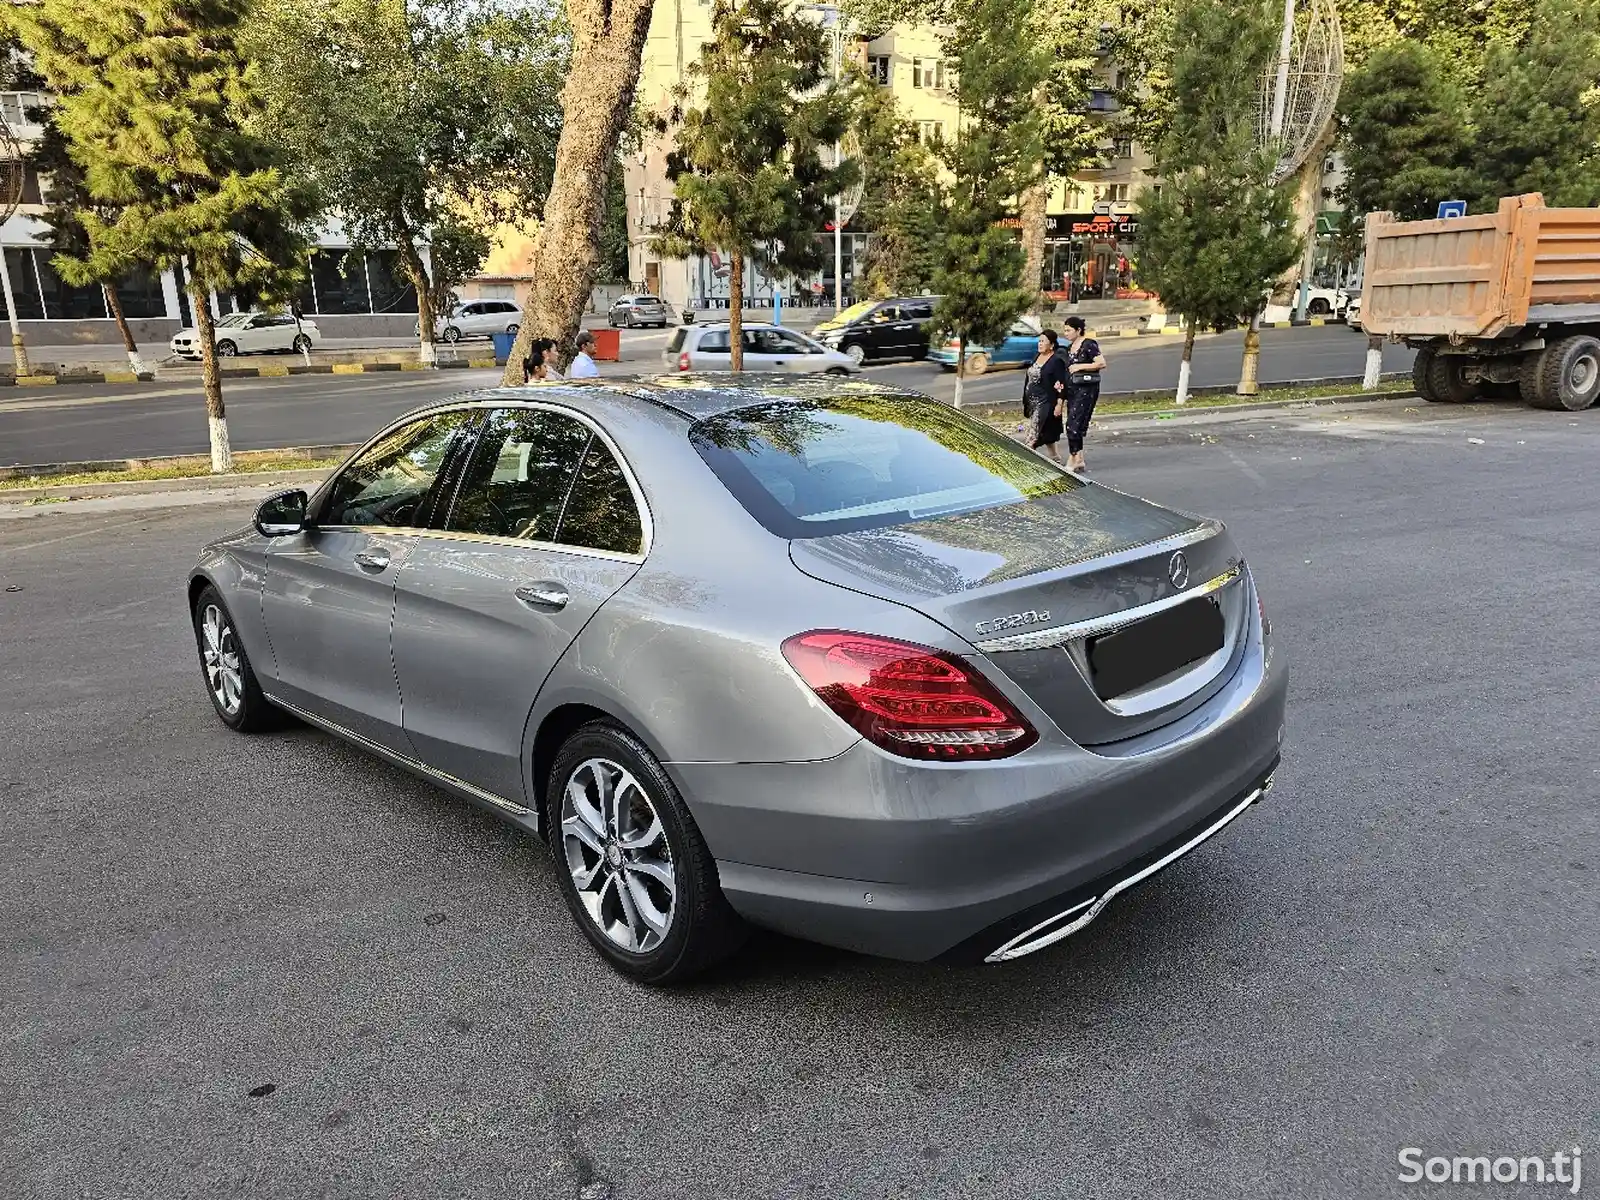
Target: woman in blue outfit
(1084,364)
(1044,394)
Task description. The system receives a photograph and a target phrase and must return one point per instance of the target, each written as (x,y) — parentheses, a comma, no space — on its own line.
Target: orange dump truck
(1507,298)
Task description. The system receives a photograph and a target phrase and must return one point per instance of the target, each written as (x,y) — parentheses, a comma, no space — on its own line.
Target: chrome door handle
(544,595)
(376,559)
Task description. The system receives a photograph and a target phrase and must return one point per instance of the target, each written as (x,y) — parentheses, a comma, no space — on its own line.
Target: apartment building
(1093,223)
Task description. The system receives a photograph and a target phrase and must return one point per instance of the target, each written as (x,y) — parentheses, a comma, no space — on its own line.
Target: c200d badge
(1031,617)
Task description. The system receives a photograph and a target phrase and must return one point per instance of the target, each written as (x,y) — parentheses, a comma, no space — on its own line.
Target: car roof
(693,397)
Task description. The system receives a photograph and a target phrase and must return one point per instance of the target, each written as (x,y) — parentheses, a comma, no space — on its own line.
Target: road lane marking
(67,537)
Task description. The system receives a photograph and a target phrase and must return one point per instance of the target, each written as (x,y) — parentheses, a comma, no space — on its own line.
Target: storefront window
(392,292)
(139,292)
(339,283)
(63,301)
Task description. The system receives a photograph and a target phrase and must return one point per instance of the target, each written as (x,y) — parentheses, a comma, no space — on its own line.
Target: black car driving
(881,329)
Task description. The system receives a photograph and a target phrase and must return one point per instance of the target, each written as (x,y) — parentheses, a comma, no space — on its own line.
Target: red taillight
(909,700)
(683,361)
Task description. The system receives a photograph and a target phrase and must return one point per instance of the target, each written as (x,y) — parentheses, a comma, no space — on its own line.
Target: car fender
(239,574)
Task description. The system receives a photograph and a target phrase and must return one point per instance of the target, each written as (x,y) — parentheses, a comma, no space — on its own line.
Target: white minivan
(478,318)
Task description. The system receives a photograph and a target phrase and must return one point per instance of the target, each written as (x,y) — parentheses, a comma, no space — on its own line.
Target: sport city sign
(1107,227)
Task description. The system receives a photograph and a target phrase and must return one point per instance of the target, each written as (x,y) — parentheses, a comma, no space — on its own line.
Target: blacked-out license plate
(1139,654)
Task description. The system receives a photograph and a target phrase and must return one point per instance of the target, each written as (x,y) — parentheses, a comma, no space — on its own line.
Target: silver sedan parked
(812,655)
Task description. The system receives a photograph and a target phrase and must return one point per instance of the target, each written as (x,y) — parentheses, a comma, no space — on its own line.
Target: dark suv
(879,329)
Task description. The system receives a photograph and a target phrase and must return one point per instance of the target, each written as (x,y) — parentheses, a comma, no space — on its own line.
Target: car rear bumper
(984,861)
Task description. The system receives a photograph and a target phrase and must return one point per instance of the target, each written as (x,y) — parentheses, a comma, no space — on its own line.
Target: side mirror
(282,514)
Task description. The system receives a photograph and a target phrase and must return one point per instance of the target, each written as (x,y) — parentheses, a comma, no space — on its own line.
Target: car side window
(916,312)
(715,342)
(391,483)
(887,313)
(601,513)
(521,471)
(788,343)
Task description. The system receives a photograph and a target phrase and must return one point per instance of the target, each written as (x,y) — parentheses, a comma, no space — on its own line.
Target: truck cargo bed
(1482,276)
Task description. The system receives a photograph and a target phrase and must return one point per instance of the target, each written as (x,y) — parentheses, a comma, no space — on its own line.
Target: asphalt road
(273,967)
(91,423)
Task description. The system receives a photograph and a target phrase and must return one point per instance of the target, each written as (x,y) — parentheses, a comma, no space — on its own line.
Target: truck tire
(1419,374)
(1530,375)
(1447,380)
(1569,374)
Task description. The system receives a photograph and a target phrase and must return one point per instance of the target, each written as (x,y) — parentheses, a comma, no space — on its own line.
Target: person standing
(534,368)
(1044,394)
(583,364)
(1085,362)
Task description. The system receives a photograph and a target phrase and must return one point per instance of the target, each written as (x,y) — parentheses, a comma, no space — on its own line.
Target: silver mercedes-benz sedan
(818,656)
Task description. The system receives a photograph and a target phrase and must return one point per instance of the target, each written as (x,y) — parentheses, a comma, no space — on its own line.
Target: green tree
(747,165)
(1402,133)
(614,241)
(383,106)
(155,100)
(996,156)
(1216,234)
(899,198)
(77,259)
(1537,123)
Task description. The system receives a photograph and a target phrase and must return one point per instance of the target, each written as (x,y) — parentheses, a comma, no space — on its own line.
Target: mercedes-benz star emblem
(1178,570)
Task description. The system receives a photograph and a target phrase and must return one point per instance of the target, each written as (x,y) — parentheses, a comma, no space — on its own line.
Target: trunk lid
(1073,597)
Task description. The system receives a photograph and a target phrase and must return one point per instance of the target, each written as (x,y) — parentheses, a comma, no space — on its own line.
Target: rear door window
(863,462)
(714,341)
(520,473)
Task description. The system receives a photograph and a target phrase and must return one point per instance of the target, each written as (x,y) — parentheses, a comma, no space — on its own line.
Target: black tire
(701,928)
(452,334)
(1569,374)
(1419,374)
(1529,378)
(302,345)
(513,329)
(1319,307)
(1448,382)
(836,371)
(251,712)
(226,349)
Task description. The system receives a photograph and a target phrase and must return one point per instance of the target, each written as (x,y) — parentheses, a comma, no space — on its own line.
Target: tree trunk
(1374,371)
(736,310)
(411,261)
(961,364)
(128,344)
(216,416)
(1035,201)
(1250,368)
(607,46)
(1183,367)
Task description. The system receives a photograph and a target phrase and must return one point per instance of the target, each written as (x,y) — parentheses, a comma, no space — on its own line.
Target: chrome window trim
(1027,942)
(470,790)
(646,517)
(1110,622)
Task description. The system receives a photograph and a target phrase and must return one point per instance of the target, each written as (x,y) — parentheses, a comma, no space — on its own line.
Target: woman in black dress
(1084,364)
(1044,395)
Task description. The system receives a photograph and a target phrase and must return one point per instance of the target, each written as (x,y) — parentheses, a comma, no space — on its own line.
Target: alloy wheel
(617,852)
(224,672)
(856,352)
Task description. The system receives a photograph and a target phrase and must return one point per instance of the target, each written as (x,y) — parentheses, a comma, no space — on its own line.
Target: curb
(77,377)
(147,487)
(1171,330)
(271,371)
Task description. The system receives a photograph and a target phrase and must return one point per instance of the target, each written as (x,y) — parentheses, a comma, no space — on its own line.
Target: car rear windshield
(676,343)
(810,469)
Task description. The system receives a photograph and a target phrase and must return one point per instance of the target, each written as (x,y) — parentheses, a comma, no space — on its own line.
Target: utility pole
(838,205)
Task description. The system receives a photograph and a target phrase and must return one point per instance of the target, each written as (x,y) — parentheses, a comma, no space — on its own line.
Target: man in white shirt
(583,364)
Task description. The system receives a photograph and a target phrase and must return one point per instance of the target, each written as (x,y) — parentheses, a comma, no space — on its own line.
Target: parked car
(477,318)
(1018,349)
(632,311)
(766,348)
(1352,315)
(251,333)
(881,329)
(810,655)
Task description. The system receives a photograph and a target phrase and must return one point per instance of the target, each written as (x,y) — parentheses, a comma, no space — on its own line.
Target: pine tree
(1402,133)
(995,157)
(154,101)
(747,166)
(77,259)
(1216,234)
